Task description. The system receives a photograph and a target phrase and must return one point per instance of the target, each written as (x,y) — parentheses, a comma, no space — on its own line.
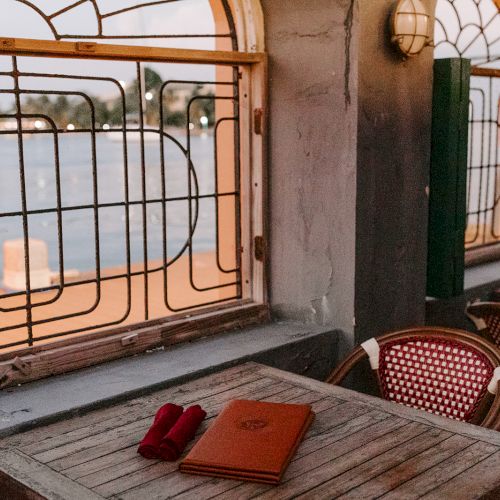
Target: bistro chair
(486,318)
(447,372)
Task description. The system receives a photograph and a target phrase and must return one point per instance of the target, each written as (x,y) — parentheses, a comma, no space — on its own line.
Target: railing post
(448,178)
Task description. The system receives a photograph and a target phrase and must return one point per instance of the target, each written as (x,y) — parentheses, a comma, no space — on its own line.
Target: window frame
(449,35)
(67,354)
(485,252)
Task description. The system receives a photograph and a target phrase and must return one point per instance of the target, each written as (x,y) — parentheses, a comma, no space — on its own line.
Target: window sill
(479,282)
(304,349)
(66,355)
(482,276)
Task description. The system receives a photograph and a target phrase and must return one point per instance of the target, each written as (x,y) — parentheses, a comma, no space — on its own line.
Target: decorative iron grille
(471,29)
(483,179)
(163,230)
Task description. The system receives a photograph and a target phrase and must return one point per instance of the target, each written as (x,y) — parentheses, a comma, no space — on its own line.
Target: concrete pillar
(312,50)
(14,264)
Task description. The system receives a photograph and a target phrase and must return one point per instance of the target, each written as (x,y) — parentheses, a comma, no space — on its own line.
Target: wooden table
(358,447)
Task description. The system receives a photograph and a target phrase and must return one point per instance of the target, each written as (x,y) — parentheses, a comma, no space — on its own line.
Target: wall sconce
(410,26)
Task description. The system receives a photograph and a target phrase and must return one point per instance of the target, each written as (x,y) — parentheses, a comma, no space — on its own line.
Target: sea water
(77,189)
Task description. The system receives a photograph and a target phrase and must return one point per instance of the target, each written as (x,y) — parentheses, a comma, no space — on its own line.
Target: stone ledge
(482,278)
(305,349)
(479,282)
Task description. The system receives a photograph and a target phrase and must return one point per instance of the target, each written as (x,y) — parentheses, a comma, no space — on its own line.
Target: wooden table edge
(462,428)
(22,472)
(41,482)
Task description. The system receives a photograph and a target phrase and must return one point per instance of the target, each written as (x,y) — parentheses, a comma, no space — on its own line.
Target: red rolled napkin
(176,440)
(164,420)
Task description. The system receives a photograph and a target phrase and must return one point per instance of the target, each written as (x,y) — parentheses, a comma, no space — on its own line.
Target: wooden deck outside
(113,300)
(357,447)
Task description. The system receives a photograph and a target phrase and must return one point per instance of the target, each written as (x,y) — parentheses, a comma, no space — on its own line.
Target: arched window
(131,192)
(468,28)
(471,29)
(164,23)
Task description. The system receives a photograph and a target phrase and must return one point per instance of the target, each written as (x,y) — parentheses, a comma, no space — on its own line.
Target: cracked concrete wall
(312,159)
(395,102)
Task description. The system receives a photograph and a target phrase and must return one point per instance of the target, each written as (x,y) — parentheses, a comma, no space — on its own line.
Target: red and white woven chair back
(440,376)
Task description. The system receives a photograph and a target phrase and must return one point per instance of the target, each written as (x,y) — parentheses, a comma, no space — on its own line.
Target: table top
(358,447)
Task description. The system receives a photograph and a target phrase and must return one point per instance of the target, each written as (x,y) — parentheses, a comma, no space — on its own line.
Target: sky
(177,16)
(181,16)
(185,16)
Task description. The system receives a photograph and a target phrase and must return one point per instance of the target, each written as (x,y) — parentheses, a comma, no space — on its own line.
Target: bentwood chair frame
(486,318)
(448,372)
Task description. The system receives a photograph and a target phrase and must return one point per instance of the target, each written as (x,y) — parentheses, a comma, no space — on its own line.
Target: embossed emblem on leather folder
(252,424)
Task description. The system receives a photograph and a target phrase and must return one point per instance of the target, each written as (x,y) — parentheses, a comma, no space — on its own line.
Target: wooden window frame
(69,354)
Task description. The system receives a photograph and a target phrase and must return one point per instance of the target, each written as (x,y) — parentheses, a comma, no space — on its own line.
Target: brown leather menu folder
(250,440)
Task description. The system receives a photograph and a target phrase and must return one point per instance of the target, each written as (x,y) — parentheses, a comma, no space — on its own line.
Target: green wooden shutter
(448,178)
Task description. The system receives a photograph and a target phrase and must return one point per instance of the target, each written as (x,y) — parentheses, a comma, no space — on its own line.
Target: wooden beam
(481,255)
(91,50)
(128,329)
(493,72)
(69,357)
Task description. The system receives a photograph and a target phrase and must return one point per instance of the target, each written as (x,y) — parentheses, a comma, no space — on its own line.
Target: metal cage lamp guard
(410,23)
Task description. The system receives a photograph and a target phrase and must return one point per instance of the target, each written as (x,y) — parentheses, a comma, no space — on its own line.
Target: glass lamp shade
(410,26)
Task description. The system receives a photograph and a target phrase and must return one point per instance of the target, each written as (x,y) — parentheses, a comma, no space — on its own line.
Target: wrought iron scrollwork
(151,182)
(471,29)
(468,28)
(101,15)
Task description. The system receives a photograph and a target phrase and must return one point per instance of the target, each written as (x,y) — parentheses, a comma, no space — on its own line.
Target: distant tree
(203,106)
(75,110)
(62,108)
(115,114)
(37,105)
(80,113)
(152,79)
(175,119)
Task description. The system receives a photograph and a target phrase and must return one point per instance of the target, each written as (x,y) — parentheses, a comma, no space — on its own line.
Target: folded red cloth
(173,444)
(164,420)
